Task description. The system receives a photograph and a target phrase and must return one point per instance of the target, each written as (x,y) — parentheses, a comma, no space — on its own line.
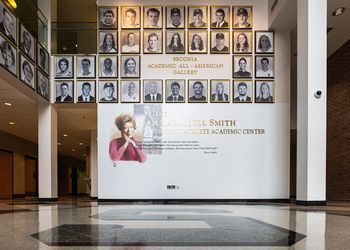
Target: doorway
(31,177)
(6,174)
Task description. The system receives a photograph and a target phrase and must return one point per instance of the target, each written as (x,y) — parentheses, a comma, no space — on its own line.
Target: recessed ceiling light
(8,104)
(11,123)
(80,143)
(338,11)
(65,135)
(73,149)
(58,143)
(84,154)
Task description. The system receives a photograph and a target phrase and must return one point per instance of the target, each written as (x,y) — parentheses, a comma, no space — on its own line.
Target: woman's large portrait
(108,66)
(131,17)
(8,23)
(108,16)
(197,42)
(42,84)
(86,67)
(153,42)
(242,66)
(220,91)
(27,43)
(26,71)
(175,42)
(175,17)
(130,66)
(8,56)
(242,41)
(64,66)
(43,58)
(108,42)
(264,91)
(130,41)
(264,42)
(264,66)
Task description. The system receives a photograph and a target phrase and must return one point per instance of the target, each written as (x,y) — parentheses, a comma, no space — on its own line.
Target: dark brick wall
(338,125)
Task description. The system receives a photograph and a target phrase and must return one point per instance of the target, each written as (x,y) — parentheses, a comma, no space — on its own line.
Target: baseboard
(17,196)
(181,201)
(93,198)
(48,199)
(311,203)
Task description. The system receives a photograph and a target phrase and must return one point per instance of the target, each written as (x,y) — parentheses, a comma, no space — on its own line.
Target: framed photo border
(256,68)
(99,67)
(56,62)
(116,81)
(229,90)
(77,66)
(62,81)
(273,92)
(256,40)
(121,89)
(252,95)
(188,90)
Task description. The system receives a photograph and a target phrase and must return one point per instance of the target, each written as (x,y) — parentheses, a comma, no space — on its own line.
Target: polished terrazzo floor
(84,224)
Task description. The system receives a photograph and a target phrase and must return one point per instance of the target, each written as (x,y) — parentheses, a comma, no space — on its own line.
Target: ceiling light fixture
(84,154)
(73,149)
(58,143)
(8,104)
(65,135)
(81,144)
(338,11)
(11,123)
(12,3)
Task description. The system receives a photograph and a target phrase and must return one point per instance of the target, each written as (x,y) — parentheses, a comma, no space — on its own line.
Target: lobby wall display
(264,91)
(175,17)
(242,17)
(108,91)
(108,41)
(197,16)
(8,56)
(264,42)
(26,71)
(153,42)
(220,91)
(197,42)
(242,91)
(242,41)
(86,91)
(197,91)
(175,42)
(108,66)
(152,17)
(175,90)
(108,16)
(8,23)
(219,42)
(64,65)
(130,91)
(130,41)
(130,66)
(242,66)
(86,66)
(264,66)
(27,42)
(43,58)
(220,17)
(64,91)
(131,17)
(42,84)
(153,91)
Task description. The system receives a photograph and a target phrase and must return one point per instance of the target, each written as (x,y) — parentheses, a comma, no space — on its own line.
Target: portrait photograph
(64,91)
(130,66)
(86,91)
(220,17)
(175,42)
(130,91)
(242,17)
(242,66)
(197,91)
(264,66)
(242,91)
(43,58)
(27,43)
(242,41)
(175,90)
(42,84)
(8,56)
(153,91)
(64,66)
(108,42)
(108,66)
(175,17)
(264,42)
(220,91)
(153,41)
(26,71)
(197,42)
(264,91)
(219,42)
(152,17)
(197,17)
(108,17)
(131,17)
(130,42)
(86,66)
(8,23)
(108,91)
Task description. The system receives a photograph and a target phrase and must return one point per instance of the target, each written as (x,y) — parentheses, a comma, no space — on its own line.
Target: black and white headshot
(242,41)
(242,91)
(220,42)
(175,90)
(64,91)
(130,91)
(42,84)
(264,91)
(8,23)
(130,66)
(152,17)
(86,91)
(108,16)
(175,42)
(197,90)
(220,17)
(152,90)
(197,42)
(198,16)
(264,66)
(242,66)
(108,66)
(130,41)
(8,56)
(27,71)
(130,16)
(64,66)
(152,42)
(108,91)
(242,17)
(27,43)
(264,42)
(220,91)
(108,41)
(86,67)
(175,17)
(43,58)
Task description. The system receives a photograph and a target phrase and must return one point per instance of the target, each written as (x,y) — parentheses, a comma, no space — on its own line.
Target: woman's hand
(128,140)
